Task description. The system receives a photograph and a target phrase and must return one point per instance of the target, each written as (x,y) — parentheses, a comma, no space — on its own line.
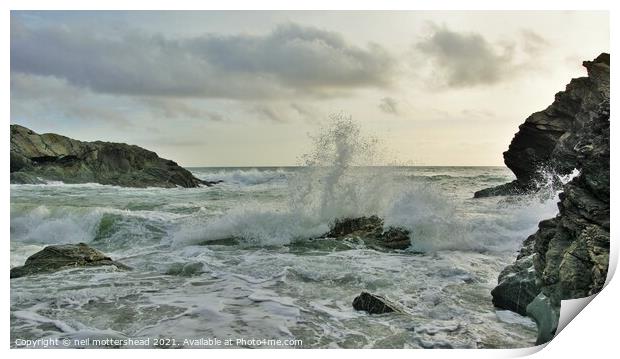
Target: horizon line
(298,166)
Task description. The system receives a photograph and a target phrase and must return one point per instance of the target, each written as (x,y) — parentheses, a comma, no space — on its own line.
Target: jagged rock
(54,157)
(58,257)
(569,253)
(25,178)
(546,139)
(371,231)
(373,304)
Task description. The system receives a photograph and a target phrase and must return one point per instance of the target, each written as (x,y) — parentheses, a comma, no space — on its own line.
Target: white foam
(55,225)
(510,317)
(34,317)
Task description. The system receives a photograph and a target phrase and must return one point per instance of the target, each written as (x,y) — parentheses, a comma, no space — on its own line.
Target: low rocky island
(568,256)
(36,158)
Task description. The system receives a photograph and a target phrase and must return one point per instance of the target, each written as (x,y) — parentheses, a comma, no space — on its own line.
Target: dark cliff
(543,142)
(568,256)
(36,158)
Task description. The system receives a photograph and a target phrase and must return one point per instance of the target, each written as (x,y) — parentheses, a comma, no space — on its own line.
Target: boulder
(36,158)
(58,257)
(373,304)
(371,230)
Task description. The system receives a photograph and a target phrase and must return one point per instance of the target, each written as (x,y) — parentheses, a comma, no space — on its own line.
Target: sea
(238,264)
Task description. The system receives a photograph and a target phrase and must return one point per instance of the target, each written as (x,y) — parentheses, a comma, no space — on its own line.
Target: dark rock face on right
(568,256)
(50,156)
(546,139)
(58,257)
(373,304)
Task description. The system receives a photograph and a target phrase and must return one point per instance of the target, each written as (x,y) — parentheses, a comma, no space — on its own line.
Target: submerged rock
(568,256)
(546,140)
(186,269)
(371,230)
(373,304)
(58,257)
(54,157)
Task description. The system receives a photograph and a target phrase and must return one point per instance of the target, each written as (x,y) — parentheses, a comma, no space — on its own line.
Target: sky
(244,88)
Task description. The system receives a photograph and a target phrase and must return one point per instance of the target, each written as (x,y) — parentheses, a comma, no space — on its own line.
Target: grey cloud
(533,43)
(306,112)
(289,60)
(172,108)
(168,141)
(298,56)
(268,113)
(281,112)
(47,98)
(466,59)
(389,106)
(301,109)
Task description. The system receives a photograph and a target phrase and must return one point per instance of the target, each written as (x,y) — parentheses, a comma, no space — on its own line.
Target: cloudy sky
(245,88)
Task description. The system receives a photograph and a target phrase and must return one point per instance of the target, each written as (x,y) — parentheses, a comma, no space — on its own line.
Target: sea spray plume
(340,179)
(332,182)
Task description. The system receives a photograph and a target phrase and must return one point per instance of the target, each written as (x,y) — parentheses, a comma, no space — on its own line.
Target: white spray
(340,179)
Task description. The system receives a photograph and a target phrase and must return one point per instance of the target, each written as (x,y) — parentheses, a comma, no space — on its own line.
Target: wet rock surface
(37,158)
(59,257)
(371,230)
(516,286)
(373,304)
(568,256)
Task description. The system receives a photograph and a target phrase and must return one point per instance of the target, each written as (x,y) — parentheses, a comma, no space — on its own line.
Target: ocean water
(237,260)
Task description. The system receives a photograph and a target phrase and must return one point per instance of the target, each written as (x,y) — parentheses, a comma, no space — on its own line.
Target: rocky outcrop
(545,140)
(373,304)
(371,231)
(568,256)
(36,158)
(59,257)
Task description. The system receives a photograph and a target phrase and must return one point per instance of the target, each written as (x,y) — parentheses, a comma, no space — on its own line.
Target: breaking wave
(340,179)
(343,176)
(244,176)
